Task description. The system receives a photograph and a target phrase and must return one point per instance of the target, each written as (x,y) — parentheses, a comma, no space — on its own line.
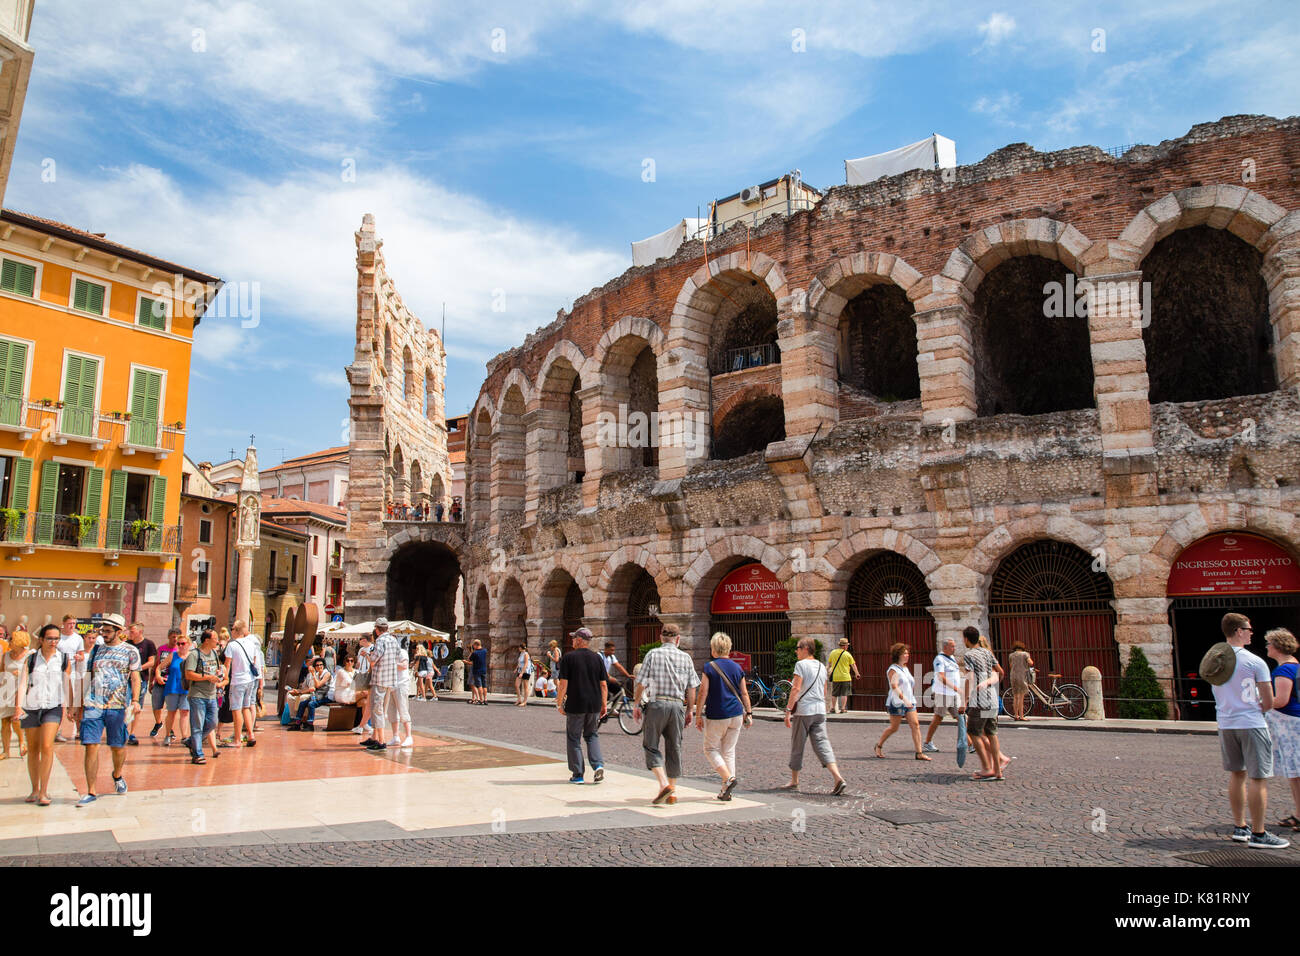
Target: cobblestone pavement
(1069,799)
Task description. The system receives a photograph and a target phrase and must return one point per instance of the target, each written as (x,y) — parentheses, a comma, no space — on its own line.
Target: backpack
(63,663)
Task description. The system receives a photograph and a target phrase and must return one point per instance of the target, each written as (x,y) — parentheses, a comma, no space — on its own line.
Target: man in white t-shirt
(247,673)
(1244,740)
(946,690)
(71,644)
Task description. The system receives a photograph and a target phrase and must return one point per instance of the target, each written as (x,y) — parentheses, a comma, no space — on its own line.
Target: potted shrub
(10,521)
(84,525)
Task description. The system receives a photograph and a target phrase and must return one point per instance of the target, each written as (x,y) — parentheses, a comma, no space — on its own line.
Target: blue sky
(217,133)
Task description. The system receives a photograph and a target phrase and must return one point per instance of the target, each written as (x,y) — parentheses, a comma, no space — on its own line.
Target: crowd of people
(425,512)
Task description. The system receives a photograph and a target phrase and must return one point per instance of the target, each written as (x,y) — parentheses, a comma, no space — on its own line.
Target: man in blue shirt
(478,673)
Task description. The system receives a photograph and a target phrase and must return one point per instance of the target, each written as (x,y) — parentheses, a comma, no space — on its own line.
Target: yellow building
(95,343)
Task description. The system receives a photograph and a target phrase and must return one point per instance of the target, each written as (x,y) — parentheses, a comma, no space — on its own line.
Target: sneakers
(408,743)
(119,784)
(167,741)
(374,745)
(600,774)
(357,729)
(131,741)
(576,778)
(87,800)
(1267,841)
(156,728)
(1241,834)
(929,748)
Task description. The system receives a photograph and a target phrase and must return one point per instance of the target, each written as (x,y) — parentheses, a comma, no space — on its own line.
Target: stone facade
(1000,451)
(397,450)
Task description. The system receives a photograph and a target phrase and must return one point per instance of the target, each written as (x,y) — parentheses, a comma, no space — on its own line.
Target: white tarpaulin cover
(933,151)
(665,244)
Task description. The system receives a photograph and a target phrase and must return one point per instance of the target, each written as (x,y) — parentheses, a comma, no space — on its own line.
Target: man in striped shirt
(667,677)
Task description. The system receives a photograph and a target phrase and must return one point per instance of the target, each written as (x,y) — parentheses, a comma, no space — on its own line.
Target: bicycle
(623,707)
(778,692)
(1066,700)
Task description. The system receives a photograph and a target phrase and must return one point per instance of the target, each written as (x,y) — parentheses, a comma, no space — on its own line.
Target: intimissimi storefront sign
(37,601)
(750,589)
(1233,563)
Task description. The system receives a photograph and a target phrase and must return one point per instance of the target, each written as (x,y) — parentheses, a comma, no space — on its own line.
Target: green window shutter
(79,395)
(157,511)
(96,299)
(151,314)
(19,277)
(80,290)
(9,276)
(116,509)
(72,381)
(94,500)
(88,297)
(49,492)
(13,366)
(20,490)
(146,391)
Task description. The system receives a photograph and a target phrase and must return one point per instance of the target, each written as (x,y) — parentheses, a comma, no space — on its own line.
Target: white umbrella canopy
(400,628)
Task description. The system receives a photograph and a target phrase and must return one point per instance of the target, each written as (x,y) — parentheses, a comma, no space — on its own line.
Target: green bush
(1141,697)
(786,657)
(645,649)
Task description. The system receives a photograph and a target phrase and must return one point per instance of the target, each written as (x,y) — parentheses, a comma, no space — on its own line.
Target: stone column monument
(247,533)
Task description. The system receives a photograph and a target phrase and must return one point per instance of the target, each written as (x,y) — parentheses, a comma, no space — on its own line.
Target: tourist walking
(425,668)
(109,693)
(900,704)
(726,710)
(72,642)
(362,683)
(386,693)
(44,689)
(1241,700)
(667,682)
(479,672)
(805,715)
(582,699)
(14,658)
(1284,717)
(158,680)
(175,698)
(523,676)
(982,714)
(148,652)
(946,691)
(247,669)
(1020,663)
(610,660)
(205,675)
(843,671)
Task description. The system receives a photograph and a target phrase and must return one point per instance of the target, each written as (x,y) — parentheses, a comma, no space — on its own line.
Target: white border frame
(108,295)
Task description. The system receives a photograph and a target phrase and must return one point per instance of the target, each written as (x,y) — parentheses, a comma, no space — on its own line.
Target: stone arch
(628,365)
(479,463)
(712,564)
(1215,518)
(746,394)
(557,610)
(840,563)
(979,254)
(983,559)
(1241,211)
(482,610)
(849,276)
(509,458)
(632,554)
(516,377)
(608,349)
(566,350)
(556,447)
(509,628)
(408,375)
(754,420)
(416,486)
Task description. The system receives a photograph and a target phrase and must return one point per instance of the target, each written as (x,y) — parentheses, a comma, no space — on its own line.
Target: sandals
(880,751)
(43,802)
(922,756)
(1291,822)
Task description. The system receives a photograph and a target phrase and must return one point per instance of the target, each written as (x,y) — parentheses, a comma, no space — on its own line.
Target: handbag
(748,720)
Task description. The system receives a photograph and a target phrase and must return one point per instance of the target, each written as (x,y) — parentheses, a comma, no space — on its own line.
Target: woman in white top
(11,665)
(901,702)
(805,714)
(44,689)
(343,687)
(523,676)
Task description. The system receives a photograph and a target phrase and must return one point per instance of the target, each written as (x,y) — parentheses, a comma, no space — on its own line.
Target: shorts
(178,702)
(898,710)
(946,709)
(95,722)
(44,715)
(144,692)
(241,696)
(1249,749)
(480,679)
(390,706)
(159,693)
(977,726)
(841,688)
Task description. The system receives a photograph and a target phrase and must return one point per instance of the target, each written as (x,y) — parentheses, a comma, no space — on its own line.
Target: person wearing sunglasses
(109,695)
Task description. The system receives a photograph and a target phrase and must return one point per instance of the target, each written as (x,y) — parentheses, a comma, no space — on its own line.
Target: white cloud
(997,28)
(1001,109)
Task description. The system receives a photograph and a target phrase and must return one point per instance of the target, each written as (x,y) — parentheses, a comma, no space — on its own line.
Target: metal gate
(642,618)
(755,635)
(1047,596)
(887,601)
(574,608)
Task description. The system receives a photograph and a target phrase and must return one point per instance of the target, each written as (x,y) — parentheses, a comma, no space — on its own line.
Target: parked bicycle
(777,691)
(622,706)
(1066,700)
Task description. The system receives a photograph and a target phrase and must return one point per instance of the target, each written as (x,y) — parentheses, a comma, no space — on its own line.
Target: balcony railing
(141,431)
(132,433)
(277,585)
(737,360)
(47,529)
(11,411)
(78,421)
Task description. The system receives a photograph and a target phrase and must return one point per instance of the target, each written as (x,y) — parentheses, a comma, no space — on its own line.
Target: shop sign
(1233,563)
(749,589)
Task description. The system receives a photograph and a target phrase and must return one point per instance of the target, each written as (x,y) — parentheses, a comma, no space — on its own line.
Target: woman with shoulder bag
(805,715)
(725,711)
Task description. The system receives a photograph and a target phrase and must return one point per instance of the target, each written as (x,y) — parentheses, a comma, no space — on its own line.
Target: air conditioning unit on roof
(752,194)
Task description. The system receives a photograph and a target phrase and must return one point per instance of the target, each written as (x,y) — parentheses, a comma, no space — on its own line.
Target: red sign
(748,589)
(741,658)
(1233,563)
